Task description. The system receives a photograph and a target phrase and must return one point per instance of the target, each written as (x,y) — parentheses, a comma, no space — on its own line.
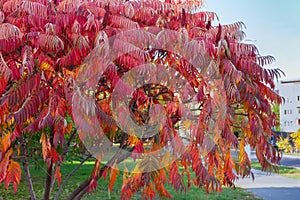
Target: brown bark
(48,182)
(26,169)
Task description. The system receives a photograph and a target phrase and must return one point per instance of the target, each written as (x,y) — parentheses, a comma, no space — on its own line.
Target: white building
(290,108)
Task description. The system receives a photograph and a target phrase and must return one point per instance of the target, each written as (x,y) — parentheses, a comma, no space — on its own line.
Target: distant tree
(53,53)
(276,110)
(296,139)
(284,145)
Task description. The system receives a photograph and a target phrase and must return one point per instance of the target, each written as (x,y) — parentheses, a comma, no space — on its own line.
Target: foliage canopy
(48,47)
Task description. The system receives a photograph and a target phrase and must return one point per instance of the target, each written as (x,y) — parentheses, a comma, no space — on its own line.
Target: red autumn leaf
(92,185)
(13,175)
(55,157)
(4,161)
(104,174)
(16,133)
(50,51)
(138,150)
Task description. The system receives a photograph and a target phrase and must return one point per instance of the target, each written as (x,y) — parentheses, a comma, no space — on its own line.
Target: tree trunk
(26,169)
(48,182)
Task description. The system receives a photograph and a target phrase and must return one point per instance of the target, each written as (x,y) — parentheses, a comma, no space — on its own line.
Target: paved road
(291,162)
(287,160)
(271,186)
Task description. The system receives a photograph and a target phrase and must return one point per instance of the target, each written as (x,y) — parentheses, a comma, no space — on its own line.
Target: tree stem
(26,169)
(48,182)
(66,147)
(70,175)
(83,187)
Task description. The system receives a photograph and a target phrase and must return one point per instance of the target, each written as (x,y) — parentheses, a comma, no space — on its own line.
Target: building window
(285,112)
(288,100)
(291,112)
(298,98)
(291,123)
(298,121)
(285,124)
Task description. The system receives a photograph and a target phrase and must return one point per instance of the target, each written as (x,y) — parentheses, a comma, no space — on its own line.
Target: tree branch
(68,144)
(48,182)
(66,147)
(83,187)
(49,175)
(26,169)
(70,175)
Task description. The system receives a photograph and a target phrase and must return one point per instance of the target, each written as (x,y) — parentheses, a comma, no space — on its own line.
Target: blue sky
(273,25)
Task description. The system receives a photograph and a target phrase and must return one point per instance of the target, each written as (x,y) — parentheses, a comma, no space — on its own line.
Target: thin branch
(83,187)
(19,157)
(49,175)
(26,169)
(118,160)
(70,175)
(66,147)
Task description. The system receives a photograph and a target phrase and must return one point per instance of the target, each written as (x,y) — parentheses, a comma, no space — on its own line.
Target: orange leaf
(242,150)
(46,146)
(113,177)
(3,164)
(69,127)
(58,175)
(13,175)
(96,169)
(46,66)
(5,143)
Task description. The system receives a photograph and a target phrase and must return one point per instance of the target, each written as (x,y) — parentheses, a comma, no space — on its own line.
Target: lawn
(101,192)
(283,170)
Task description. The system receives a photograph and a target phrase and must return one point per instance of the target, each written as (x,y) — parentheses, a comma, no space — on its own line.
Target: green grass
(38,177)
(283,170)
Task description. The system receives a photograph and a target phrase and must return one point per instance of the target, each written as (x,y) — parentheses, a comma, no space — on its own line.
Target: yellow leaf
(187,124)
(46,66)
(242,150)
